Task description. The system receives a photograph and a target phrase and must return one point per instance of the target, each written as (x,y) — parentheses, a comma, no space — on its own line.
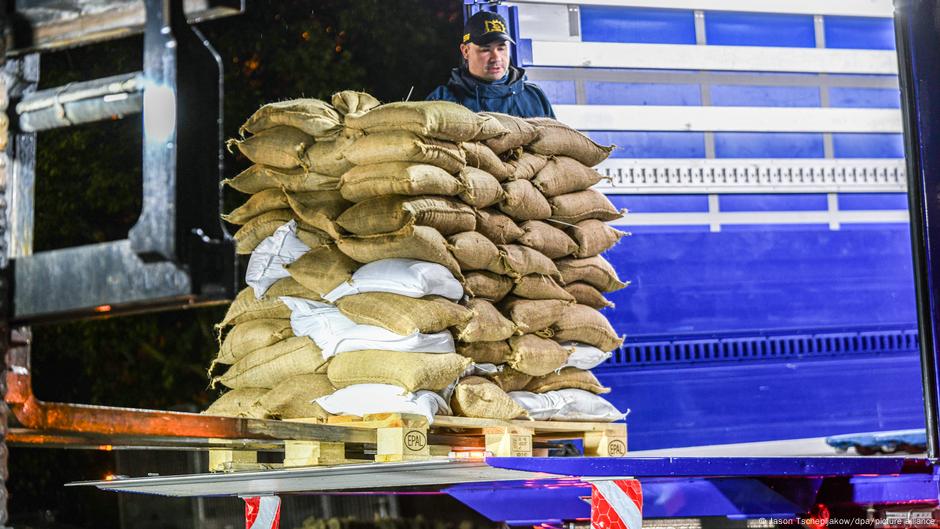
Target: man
(486,81)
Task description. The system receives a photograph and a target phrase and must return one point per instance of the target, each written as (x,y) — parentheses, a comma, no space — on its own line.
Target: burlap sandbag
(569,377)
(488,286)
(585,294)
(246,307)
(478,397)
(392,213)
(565,175)
(267,367)
(540,287)
(258,204)
(536,356)
(397,178)
(322,269)
(521,132)
(485,325)
(510,380)
(259,228)
(588,204)
(525,165)
(497,227)
(595,271)
(547,239)
(481,189)
(580,323)
(556,138)
(402,314)
(483,158)
(313,116)
(282,147)
(311,236)
(411,371)
(257,178)
(524,202)
(516,261)
(485,352)
(238,403)
(406,147)
(472,250)
(421,243)
(293,398)
(252,180)
(251,336)
(327,157)
(319,209)
(353,102)
(435,119)
(594,237)
(532,315)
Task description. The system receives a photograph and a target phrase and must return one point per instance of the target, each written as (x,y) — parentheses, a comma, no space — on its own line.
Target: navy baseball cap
(486,27)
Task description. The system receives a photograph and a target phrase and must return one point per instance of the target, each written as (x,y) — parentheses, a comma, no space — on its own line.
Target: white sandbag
(567,405)
(269,258)
(334,333)
(583,356)
(406,277)
(364,399)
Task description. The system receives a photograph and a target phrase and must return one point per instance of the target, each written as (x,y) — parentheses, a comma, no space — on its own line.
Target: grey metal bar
(85,102)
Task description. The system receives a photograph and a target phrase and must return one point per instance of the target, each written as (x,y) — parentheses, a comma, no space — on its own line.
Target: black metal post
(917,26)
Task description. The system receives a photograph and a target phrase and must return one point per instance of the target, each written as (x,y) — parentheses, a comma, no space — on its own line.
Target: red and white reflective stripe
(616,504)
(262,512)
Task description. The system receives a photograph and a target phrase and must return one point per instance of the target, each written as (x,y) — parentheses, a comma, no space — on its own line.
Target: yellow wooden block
(401,444)
(313,453)
(223,459)
(608,443)
(508,442)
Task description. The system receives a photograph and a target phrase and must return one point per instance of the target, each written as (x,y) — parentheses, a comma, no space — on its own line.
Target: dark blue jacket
(511,95)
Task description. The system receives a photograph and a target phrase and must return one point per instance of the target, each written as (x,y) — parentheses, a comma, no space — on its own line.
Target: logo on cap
(494,25)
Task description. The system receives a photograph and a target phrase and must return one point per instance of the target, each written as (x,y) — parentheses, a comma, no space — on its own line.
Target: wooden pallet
(406,437)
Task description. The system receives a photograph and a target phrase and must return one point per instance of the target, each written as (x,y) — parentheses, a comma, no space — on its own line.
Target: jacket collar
(462,81)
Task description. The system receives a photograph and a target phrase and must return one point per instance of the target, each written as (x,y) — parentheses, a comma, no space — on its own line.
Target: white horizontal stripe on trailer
(763,217)
(856,8)
(702,176)
(729,119)
(723,58)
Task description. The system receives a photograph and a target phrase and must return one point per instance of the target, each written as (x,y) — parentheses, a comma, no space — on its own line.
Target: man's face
(489,62)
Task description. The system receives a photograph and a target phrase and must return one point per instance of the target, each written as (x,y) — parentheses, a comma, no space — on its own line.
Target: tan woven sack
(313,116)
(485,352)
(585,294)
(397,178)
(282,147)
(240,403)
(595,271)
(319,209)
(594,237)
(485,325)
(546,239)
(524,202)
(327,157)
(488,286)
(481,189)
(421,243)
(565,175)
(353,102)
(520,133)
(532,315)
(580,323)
(556,138)
(258,204)
(246,307)
(402,314)
(588,204)
(435,119)
(411,371)
(392,213)
(472,250)
(540,287)
(516,261)
(478,397)
(259,228)
(536,356)
(510,380)
(322,269)
(257,178)
(251,336)
(403,146)
(252,180)
(526,165)
(569,377)
(293,398)
(267,367)
(481,157)
(497,227)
